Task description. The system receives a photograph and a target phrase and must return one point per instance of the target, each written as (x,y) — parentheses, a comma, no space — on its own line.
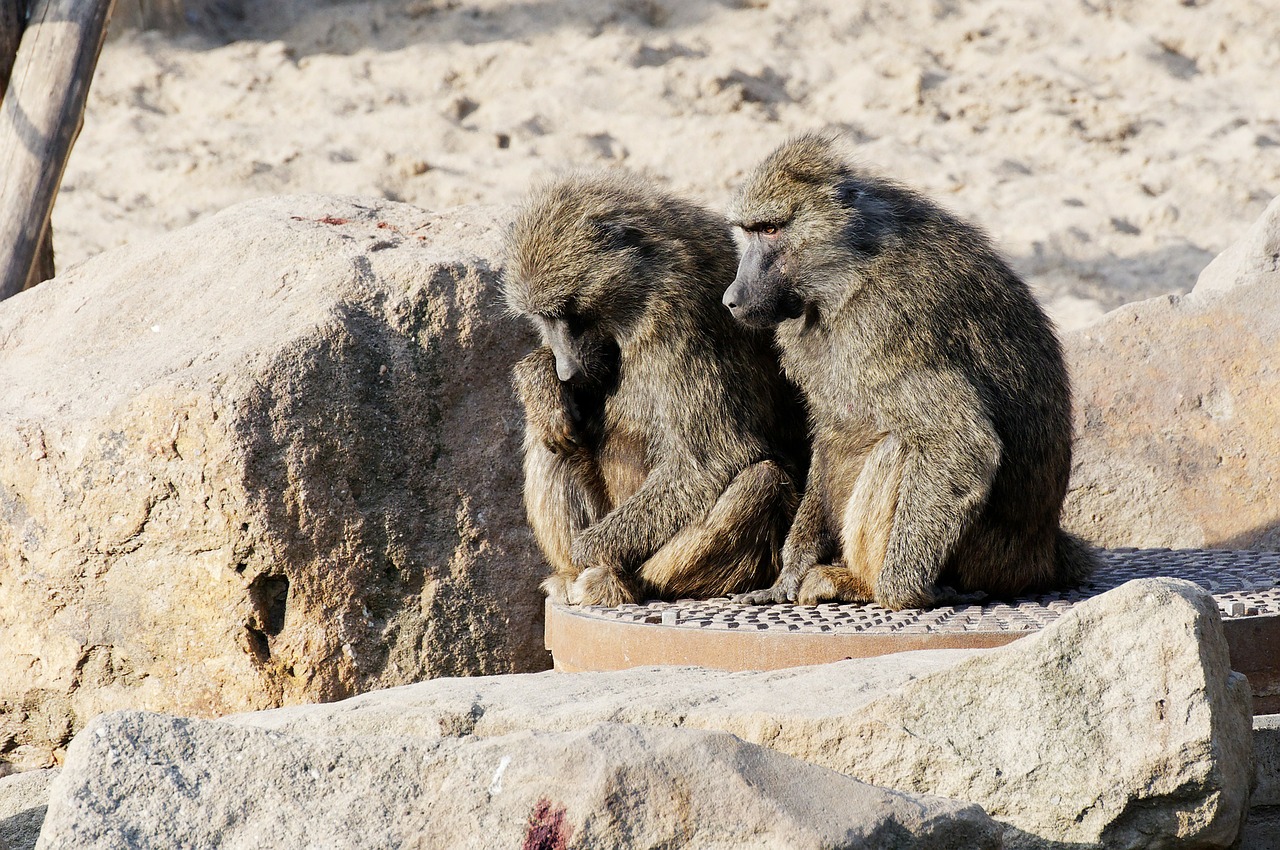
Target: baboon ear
(872,218)
(850,193)
(619,236)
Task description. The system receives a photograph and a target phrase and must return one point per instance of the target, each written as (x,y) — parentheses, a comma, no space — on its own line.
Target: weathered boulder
(1121,725)
(1255,258)
(271,458)
(23,800)
(147,780)
(1178,410)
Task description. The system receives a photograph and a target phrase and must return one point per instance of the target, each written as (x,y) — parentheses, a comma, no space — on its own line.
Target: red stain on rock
(548,828)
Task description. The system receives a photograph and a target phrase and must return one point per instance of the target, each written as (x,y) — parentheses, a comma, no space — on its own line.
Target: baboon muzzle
(758,296)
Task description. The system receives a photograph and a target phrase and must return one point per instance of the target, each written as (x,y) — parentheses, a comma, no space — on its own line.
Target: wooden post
(13,20)
(40,117)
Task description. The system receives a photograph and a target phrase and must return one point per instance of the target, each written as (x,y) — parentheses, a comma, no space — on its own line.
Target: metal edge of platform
(580,642)
(1254,647)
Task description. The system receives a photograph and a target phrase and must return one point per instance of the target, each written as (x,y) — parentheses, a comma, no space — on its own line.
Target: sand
(1111,148)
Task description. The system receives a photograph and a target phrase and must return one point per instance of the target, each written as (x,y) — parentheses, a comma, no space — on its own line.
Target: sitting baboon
(939,401)
(662,444)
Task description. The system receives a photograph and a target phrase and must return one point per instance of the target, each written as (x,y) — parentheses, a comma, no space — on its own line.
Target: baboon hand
(558,429)
(784,589)
(555,429)
(550,410)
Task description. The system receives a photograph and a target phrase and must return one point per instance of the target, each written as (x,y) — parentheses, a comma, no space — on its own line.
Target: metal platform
(717,633)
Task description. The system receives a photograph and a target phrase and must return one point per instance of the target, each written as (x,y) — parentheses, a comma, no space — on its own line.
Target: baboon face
(762,294)
(808,221)
(584,354)
(579,259)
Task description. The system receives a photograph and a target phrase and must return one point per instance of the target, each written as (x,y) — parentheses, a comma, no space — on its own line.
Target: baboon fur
(663,447)
(940,407)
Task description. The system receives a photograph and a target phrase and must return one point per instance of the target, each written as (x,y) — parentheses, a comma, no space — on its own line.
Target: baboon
(663,447)
(940,407)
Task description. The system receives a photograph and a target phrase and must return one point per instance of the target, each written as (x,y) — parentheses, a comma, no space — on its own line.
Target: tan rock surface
(151,781)
(1121,725)
(1178,410)
(267,459)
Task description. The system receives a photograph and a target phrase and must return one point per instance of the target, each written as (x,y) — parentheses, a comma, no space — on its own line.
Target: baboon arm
(672,496)
(535,381)
(548,409)
(951,454)
(808,542)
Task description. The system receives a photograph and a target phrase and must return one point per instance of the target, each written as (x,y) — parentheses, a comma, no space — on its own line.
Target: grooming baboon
(662,442)
(939,402)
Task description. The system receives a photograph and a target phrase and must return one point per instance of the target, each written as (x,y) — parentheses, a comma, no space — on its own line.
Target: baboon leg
(947,474)
(736,547)
(799,551)
(809,541)
(563,490)
(870,511)
(562,496)
(864,531)
(833,583)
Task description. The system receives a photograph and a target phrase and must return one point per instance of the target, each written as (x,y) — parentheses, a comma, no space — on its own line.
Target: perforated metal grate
(1244,584)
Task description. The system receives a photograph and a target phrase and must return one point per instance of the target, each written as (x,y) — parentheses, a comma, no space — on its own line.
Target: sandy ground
(1111,147)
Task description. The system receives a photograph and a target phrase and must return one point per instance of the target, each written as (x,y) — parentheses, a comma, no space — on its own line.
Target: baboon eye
(575,324)
(769,229)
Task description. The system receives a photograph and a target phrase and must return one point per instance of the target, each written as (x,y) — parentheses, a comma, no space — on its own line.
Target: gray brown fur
(939,401)
(662,443)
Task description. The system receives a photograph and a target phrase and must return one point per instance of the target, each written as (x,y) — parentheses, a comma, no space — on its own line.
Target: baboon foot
(783,590)
(897,595)
(603,586)
(558,588)
(832,583)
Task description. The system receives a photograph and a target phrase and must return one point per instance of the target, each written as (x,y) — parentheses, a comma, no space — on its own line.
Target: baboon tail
(1076,559)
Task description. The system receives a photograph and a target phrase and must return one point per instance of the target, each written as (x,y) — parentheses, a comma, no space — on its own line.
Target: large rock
(1176,410)
(1121,725)
(1255,258)
(271,458)
(146,780)
(24,798)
